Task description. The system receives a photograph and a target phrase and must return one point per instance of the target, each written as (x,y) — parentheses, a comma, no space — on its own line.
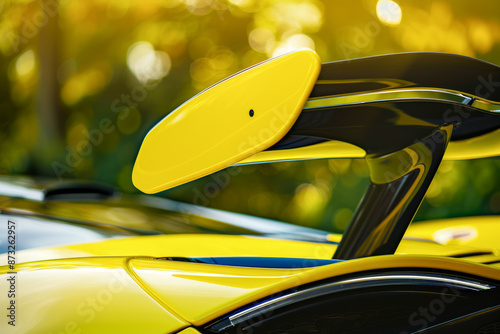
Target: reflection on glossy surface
(179,285)
(374,280)
(479,232)
(123,214)
(408,94)
(94,296)
(399,182)
(408,70)
(474,148)
(329,149)
(189,245)
(36,232)
(13,190)
(189,330)
(127,215)
(223,289)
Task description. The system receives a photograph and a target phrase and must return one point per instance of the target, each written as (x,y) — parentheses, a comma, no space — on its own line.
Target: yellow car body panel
(201,292)
(192,245)
(474,148)
(189,330)
(329,149)
(261,102)
(88,295)
(183,245)
(167,296)
(179,293)
(473,232)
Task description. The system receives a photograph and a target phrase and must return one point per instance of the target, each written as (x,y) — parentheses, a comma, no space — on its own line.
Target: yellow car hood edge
(297,277)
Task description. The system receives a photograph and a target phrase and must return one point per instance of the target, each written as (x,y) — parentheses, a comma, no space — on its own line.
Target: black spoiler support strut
(399,182)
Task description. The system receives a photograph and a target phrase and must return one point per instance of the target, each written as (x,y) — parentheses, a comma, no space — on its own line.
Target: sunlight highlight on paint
(389,12)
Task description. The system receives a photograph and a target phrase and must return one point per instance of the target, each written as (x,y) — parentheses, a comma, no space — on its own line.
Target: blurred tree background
(83,81)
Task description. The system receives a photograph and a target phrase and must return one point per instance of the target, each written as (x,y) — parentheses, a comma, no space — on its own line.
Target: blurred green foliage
(83,81)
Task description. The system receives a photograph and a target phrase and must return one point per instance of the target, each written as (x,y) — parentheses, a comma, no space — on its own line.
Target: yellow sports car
(83,258)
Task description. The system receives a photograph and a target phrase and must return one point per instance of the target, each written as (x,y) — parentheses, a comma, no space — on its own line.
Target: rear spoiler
(403,113)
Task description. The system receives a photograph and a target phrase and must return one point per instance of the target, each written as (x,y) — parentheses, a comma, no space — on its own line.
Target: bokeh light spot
(25,63)
(389,12)
(308,202)
(240,3)
(261,40)
(201,70)
(480,36)
(199,7)
(294,42)
(146,63)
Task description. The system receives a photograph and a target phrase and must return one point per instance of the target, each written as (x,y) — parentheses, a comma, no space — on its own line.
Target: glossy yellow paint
(418,244)
(189,330)
(230,121)
(329,149)
(430,248)
(192,245)
(83,296)
(471,232)
(201,292)
(186,245)
(484,146)
(171,295)
(475,148)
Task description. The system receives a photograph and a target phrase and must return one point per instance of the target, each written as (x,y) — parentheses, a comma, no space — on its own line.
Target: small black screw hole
(251,112)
